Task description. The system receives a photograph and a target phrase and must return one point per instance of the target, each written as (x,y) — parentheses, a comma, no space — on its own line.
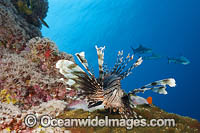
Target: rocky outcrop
(34,11)
(15,31)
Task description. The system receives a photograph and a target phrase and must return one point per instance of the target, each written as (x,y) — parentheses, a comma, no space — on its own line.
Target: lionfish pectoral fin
(157,86)
(87,87)
(70,70)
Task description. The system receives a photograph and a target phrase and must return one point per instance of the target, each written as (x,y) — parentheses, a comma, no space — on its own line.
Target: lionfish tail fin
(157,86)
(83,61)
(100,53)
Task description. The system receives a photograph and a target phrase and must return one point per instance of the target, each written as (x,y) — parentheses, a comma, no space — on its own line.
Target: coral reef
(34,11)
(12,117)
(30,78)
(15,31)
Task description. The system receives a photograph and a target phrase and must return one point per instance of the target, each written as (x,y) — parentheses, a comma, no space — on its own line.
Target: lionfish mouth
(106,89)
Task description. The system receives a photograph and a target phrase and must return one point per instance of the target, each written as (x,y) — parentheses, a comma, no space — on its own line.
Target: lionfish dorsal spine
(105,69)
(83,61)
(100,54)
(121,63)
(128,71)
(118,62)
(125,63)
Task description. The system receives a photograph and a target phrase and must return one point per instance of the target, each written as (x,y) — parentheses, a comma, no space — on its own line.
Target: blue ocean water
(169,27)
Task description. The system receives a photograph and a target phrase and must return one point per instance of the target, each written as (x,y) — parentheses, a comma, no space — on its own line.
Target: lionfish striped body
(106,89)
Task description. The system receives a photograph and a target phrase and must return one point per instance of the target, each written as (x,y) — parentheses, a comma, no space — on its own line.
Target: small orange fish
(149,100)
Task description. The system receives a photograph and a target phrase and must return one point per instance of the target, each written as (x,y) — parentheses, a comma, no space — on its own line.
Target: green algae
(183,124)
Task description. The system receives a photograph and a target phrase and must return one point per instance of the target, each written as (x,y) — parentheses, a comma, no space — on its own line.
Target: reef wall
(28,76)
(15,31)
(33,11)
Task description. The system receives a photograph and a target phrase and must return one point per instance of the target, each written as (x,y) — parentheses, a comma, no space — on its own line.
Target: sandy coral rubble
(12,117)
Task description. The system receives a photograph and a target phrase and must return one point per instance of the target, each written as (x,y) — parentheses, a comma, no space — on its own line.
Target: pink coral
(29,77)
(14,30)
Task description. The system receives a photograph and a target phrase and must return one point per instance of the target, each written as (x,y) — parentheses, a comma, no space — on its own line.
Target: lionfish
(106,90)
